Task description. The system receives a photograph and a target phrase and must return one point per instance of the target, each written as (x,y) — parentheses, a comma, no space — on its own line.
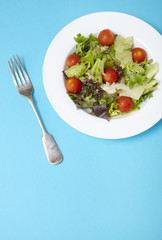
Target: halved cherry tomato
(73,85)
(72,60)
(125,104)
(110,75)
(138,54)
(106,37)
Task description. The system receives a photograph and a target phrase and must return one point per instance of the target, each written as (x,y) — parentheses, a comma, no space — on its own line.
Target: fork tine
(13,76)
(20,73)
(15,71)
(23,69)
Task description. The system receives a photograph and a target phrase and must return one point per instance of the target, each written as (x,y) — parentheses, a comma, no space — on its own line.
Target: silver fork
(25,88)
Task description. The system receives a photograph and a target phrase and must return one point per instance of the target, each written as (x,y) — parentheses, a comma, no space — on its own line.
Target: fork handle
(52,151)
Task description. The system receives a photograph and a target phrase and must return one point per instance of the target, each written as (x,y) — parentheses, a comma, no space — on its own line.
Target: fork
(25,88)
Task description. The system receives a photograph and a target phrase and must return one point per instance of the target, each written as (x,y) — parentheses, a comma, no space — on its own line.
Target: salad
(108,75)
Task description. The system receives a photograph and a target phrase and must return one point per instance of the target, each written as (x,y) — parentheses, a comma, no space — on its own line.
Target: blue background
(104,189)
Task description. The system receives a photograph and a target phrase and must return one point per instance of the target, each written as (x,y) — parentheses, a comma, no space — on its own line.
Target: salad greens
(135,80)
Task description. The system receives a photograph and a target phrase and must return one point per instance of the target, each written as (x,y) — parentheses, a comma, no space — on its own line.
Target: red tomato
(138,55)
(106,37)
(72,60)
(125,104)
(73,85)
(110,75)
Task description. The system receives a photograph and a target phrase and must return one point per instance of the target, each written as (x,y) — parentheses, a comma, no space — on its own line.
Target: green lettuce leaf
(133,74)
(151,70)
(99,49)
(89,57)
(121,44)
(134,78)
(84,44)
(113,110)
(136,92)
(88,101)
(135,67)
(137,103)
(122,47)
(95,52)
(123,54)
(98,69)
(77,70)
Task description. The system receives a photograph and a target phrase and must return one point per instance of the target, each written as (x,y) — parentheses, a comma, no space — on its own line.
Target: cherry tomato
(125,104)
(138,55)
(106,37)
(110,75)
(72,60)
(73,85)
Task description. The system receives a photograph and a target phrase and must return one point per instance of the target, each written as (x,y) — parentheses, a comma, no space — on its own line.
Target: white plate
(54,63)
